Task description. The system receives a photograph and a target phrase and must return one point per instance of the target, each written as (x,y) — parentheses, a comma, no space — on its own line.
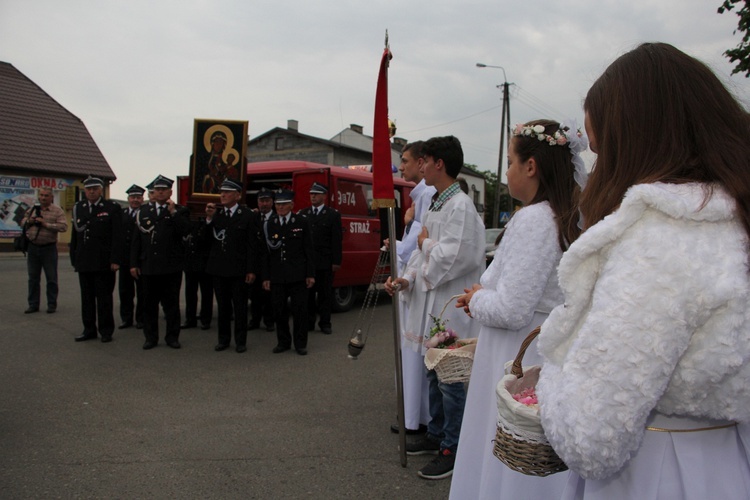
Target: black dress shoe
(31,310)
(280,348)
(221,347)
(206,326)
(85,336)
(253,326)
(410,432)
(326,329)
(51,309)
(311,328)
(139,326)
(174,344)
(189,324)
(302,351)
(106,339)
(241,348)
(270,328)
(149,344)
(125,324)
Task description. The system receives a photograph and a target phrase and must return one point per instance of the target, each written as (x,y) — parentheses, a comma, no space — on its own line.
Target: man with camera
(42,222)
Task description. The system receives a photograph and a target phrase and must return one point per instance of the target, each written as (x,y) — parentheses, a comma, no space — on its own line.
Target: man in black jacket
(128,288)
(231,262)
(156,257)
(196,277)
(261,307)
(326,229)
(96,253)
(291,271)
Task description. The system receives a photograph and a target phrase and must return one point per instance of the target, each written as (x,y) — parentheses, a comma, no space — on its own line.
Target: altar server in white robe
(416,402)
(448,259)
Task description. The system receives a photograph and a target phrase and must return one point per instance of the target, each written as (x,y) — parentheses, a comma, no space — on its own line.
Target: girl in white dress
(514,296)
(645,386)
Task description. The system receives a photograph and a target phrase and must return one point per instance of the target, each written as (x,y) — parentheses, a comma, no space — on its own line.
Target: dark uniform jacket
(233,248)
(326,230)
(291,256)
(196,247)
(158,247)
(128,231)
(96,241)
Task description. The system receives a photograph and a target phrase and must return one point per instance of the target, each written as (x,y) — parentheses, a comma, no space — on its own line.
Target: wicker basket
(451,365)
(524,449)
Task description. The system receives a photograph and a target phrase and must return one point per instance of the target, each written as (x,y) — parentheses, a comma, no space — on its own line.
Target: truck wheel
(343,298)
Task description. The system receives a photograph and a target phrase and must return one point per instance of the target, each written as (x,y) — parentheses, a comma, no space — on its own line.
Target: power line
(406,132)
(537,104)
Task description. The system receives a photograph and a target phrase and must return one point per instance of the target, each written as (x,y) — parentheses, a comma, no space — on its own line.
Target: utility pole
(504,125)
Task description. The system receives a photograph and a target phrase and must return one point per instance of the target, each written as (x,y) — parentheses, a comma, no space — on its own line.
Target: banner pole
(397,338)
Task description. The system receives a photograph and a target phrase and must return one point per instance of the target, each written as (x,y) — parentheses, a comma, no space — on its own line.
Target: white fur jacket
(656,317)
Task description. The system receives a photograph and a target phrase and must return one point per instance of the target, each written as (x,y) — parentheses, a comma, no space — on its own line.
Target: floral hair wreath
(577,142)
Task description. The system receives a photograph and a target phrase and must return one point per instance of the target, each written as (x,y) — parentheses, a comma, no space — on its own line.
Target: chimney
(356,128)
(292,125)
(400,142)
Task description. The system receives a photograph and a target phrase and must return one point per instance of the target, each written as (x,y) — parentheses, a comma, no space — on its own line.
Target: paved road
(93,420)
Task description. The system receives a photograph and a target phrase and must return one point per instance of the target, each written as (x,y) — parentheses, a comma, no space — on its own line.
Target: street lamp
(505,116)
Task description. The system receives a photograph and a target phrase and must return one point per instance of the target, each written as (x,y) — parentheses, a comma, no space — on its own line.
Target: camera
(36,211)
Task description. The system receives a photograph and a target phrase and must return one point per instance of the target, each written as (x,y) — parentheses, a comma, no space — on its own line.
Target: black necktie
(282,221)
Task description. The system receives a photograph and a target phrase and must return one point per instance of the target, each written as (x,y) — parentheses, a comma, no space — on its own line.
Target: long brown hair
(556,182)
(659,115)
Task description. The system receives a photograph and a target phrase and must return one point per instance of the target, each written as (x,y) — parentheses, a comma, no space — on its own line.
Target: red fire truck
(349,191)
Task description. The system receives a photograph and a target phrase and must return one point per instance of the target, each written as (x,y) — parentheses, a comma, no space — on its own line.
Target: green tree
(740,54)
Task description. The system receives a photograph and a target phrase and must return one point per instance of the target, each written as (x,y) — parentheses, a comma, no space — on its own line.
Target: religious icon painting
(219,153)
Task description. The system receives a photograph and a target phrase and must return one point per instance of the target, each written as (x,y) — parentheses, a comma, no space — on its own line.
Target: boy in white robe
(449,258)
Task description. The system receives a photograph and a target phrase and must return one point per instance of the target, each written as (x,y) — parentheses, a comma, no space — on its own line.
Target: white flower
(538,129)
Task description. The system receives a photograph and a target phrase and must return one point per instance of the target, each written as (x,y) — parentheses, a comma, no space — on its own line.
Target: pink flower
(527,397)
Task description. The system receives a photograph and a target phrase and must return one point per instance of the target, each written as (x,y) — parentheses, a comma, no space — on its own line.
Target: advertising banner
(18,194)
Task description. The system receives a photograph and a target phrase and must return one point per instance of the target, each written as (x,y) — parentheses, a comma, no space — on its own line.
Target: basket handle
(517,369)
(448,303)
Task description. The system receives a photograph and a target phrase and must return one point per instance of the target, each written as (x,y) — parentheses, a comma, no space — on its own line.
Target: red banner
(382,174)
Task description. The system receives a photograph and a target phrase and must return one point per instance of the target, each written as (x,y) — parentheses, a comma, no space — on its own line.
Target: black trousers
(195,280)
(323,292)
(164,289)
(297,292)
(231,295)
(261,306)
(40,258)
(130,289)
(96,302)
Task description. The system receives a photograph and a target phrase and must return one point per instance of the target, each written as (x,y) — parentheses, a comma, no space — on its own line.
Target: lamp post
(505,119)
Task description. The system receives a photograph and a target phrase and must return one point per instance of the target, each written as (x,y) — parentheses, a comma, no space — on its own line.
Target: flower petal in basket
(434,355)
(518,419)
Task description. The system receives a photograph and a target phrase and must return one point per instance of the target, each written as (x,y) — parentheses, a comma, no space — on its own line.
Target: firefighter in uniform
(196,277)
(128,288)
(96,254)
(290,271)
(231,262)
(261,308)
(157,257)
(326,229)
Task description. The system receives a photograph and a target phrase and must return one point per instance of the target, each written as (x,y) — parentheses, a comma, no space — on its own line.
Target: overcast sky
(139,72)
